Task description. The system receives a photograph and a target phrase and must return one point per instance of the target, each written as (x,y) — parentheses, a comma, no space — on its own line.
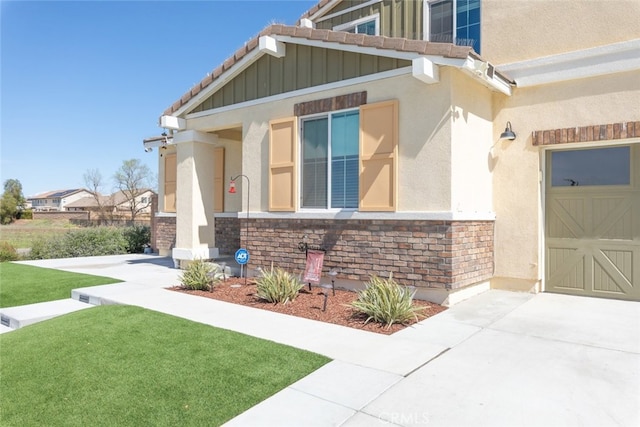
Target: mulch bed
(308,304)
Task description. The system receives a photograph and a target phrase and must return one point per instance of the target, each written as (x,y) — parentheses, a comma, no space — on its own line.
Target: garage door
(593,222)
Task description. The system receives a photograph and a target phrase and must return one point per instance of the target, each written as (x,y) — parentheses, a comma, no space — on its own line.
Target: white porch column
(195,229)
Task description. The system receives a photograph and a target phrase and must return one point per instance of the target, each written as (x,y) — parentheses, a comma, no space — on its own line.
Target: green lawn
(25,284)
(127,366)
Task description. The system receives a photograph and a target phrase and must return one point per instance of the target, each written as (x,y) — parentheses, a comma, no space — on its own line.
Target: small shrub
(277,285)
(201,275)
(385,301)
(80,243)
(25,214)
(137,237)
(8,252)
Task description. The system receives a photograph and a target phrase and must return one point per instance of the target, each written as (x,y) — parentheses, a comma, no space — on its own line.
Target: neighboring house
(116,203)
(507,159)
(56,200)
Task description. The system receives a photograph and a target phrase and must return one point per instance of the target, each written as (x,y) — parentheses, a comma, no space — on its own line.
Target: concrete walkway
(499,358)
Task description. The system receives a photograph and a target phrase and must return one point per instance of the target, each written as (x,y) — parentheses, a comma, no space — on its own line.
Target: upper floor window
(369,25)
(455,21)
(330,161)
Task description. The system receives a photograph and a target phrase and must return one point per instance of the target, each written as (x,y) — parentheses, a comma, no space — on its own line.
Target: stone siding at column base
(164,235)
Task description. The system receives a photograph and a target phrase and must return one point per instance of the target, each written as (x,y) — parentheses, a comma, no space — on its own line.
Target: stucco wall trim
(614,58)
(397,216)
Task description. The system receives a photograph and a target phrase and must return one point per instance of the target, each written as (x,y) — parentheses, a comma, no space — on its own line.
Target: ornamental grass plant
(385,301)
(277,285)
(201,275)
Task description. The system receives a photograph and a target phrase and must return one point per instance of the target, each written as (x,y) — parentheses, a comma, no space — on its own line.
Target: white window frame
(354,24)
(299,172)
(426,19)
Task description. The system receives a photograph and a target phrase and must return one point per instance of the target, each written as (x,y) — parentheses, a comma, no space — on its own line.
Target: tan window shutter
(170,173)
(218,179)
(282,164)
(379,156)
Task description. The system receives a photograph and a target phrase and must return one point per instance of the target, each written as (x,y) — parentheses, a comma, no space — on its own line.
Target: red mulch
(307,304)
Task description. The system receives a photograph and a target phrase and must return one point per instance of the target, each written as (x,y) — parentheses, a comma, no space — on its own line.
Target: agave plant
(277,285)
(385,301)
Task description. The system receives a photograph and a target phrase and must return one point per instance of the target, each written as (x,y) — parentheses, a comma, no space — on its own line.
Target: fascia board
(323,9)
(610,59)
(347,47)
(227,75)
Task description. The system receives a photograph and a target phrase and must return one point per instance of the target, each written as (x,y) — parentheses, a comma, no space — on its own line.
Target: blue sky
(84,82)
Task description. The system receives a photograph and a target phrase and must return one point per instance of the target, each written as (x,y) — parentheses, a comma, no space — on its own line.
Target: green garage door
(593,222)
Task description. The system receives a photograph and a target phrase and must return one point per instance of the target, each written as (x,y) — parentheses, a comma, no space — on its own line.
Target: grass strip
(22,284)
(128,366)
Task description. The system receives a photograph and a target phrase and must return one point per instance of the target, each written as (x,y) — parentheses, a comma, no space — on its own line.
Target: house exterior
(117,203)
(451,143)
(57,200)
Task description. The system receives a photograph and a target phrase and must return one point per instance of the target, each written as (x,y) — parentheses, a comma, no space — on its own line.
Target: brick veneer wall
(611,131)
(163,229)
(165,233)
(228,235)
(442,254)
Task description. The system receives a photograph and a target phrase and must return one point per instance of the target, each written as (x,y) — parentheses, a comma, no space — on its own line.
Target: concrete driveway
(498,359)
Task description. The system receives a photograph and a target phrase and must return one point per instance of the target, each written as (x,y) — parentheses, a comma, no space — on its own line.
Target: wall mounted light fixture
(508,133)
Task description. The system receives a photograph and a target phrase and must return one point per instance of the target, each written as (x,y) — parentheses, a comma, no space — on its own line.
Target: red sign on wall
(313,269)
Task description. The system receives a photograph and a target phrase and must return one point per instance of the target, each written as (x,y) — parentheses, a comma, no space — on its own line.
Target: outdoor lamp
(508,133)
(232,187)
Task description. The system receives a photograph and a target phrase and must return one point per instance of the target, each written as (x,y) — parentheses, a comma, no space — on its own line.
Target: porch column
(195,228)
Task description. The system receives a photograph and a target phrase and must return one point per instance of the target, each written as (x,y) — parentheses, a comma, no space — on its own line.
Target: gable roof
(56,194)
(115,199)
(381,44)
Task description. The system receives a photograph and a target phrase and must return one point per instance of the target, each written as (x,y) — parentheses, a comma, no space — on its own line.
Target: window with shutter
(283,139)
(330,161)
(379,156)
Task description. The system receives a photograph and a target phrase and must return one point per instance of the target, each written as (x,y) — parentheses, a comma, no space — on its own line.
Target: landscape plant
(80,243)
(277,285)
(91,242)
(201,275)
(137,237)
(8,252)
(386,302)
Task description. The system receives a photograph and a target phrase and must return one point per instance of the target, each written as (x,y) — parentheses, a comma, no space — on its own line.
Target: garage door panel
(566,218)
(607,275)
(612,218)
(566,268)
(593,230)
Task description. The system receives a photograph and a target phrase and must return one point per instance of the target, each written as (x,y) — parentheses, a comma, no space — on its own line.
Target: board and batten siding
(398,18)
(301,68)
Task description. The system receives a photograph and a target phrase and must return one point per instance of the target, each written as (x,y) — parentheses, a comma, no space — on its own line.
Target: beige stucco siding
(516,30)
(195,175)
(424,140)
(472,138)
(517,190)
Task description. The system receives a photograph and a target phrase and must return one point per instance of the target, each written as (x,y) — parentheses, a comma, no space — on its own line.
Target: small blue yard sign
(242,256)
